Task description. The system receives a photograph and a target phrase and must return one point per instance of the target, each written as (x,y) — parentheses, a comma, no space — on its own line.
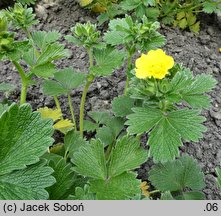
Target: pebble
(215,115)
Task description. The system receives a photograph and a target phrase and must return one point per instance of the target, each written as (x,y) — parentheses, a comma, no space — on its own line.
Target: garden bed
(199,53)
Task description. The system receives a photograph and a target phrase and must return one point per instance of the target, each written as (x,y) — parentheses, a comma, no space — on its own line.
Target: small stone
(205,39)
(215,115)
(216,70)
(210,31)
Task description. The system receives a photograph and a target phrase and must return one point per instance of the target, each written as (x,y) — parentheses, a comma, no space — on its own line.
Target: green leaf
(19,49)
(69,78)
(90,126)
(110,130)
(116,125)
(65,81)
(193,195)
(90,160)
(181,15)
(6,87)
(166,196)
(106,61)
(129,5)
(26,184)
(72,142)
(121,106)
(143,119)
(105,134)
(3,108)
(209,6)
(102,18)
(114,36)
(45,70)
(195,28)
(24,137)
(167,129)
(100,117)
(42,38)
(53,52)
(140,34)
(177,175)
(28,2)
(126,155)
(188,124)
(191,19)
(168,20)
(82,194)
(149,2)
(193,89)
(53,88)
(218,172)
(121,187)
(183,23)
(29,57)
(22,17)
(64,179)
(164,142)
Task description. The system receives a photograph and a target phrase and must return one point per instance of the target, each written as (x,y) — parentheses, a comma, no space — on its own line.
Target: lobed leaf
(122,105)
(24,137)
(121,187)
(126,155)
(90,160)
(166,129)
(27,184)
(106,61)
(64,179)
(177,175)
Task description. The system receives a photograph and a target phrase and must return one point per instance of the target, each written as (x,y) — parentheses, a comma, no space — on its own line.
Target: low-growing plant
(177,12)
(38,50)
(161,87)
(183,13)
(162,103)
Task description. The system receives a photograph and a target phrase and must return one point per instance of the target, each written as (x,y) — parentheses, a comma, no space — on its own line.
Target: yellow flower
(155,64)
(220,50)
(144,188)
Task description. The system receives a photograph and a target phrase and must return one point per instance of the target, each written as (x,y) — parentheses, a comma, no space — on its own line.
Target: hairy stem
(84,95)
(72,111)
(57,103)
(24,82)
(90,55)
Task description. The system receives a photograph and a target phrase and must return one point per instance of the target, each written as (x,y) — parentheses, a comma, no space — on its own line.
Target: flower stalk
(24,82)
(72,111)
(83,99)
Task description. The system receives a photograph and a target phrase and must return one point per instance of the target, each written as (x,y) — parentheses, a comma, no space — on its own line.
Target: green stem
(24,82)
(72,111)
(57,103)
(83,99)
(90,54)
(23,93)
